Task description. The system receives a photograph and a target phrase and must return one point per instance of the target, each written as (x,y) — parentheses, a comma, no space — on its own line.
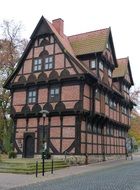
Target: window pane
(35,68)
(57,91)
(39,67)
(37,64)
(52,91)
(51,59)
(93,64)
(49,63)
(34,93)
(39,61)
(30,93)
(54,94)
(46,66)
(101,65)
(31,96)
(50,66)
(109,72)
(33,99)
(47,60)
(29,100)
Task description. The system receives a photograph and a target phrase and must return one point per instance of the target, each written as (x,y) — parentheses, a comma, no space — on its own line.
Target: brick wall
(59,61)
(70,92)
(42,95)
(27,68)
(19,98)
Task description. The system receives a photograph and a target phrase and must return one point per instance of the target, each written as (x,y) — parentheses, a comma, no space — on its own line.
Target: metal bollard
(52,167)
(36,168)
(43,166)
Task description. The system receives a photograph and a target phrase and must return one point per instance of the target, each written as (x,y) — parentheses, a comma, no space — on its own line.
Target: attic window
(51,40)
(93,64)
(109,72)
(37,64)
(108,45)
(101,66)
(48,62)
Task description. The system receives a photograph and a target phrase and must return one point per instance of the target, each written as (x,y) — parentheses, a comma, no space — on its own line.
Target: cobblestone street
(125,176)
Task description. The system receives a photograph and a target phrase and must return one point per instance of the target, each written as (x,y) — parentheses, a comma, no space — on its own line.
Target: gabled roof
(89,42)
(92,42)
(121,70)
(44,27)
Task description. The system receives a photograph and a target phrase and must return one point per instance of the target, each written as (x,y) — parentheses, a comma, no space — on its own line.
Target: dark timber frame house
(82,85)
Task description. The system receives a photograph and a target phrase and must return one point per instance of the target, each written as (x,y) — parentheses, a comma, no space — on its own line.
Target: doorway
(29,143)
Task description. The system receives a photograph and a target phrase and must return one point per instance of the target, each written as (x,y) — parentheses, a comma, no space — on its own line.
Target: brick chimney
(59,25)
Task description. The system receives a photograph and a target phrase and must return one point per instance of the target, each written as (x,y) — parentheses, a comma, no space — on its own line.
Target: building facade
(83,87)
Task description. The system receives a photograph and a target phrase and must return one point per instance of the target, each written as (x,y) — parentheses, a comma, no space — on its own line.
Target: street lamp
(44,114)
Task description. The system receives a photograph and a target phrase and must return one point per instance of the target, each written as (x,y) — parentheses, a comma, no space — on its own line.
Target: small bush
(48,155)
(12,154)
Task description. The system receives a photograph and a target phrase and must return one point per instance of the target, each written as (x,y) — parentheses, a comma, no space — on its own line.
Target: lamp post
(44,114)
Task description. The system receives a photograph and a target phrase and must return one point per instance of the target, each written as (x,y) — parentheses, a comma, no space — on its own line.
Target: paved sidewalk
(8,181)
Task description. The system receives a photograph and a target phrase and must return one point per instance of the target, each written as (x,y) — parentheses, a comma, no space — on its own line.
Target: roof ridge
(88,32)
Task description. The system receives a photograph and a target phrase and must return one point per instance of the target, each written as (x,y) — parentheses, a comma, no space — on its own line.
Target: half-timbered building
(83,87)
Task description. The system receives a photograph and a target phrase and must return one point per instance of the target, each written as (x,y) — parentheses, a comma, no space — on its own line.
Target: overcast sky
(83,16)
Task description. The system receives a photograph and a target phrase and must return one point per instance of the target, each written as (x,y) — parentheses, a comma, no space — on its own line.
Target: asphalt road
(122,177)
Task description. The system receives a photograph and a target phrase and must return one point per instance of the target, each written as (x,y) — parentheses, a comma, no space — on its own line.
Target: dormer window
(93,64)
(108,45)
(49,63)
(101,66)
(37,64)
(109,72)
